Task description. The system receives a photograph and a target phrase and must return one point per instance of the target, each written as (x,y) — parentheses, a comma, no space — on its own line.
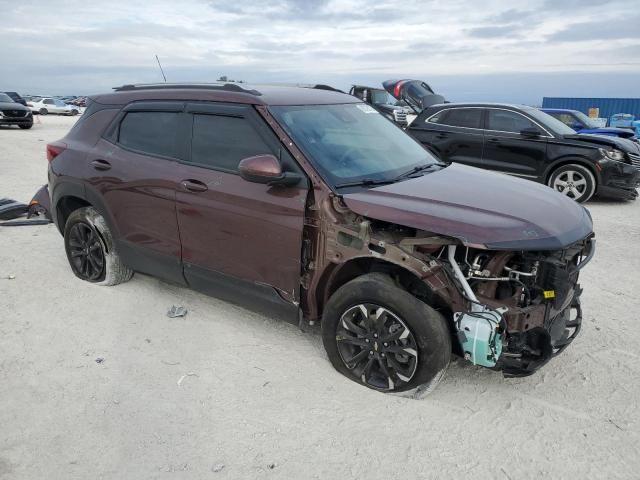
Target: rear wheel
(379,335)
(574,181)
(91,250)
(43,111)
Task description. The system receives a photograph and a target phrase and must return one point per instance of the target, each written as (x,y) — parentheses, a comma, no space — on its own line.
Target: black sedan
(523,141)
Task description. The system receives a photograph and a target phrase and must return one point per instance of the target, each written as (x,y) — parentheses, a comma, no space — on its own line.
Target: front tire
(91,250)
(379,335)
(26,126)
(573,180)
(43,111)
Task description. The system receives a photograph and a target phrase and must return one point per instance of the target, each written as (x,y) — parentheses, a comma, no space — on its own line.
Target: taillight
(55,149)
(396,89)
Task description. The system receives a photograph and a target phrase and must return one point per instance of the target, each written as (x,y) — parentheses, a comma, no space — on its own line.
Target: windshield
(5,98)
(549,122)
(586,121)
(381,97)
(352,142)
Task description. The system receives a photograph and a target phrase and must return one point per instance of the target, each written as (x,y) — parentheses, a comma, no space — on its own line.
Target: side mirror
(530,132)
(577,126)
(266,169)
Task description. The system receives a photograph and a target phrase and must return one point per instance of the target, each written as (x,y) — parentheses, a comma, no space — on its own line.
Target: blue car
(583,124)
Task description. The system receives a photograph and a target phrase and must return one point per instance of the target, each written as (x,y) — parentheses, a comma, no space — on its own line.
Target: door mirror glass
(530,132)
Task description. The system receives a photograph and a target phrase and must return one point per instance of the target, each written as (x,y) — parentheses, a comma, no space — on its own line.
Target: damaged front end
(510,310)
(535,294)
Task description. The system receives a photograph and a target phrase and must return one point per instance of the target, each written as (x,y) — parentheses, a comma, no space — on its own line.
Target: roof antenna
(161,71)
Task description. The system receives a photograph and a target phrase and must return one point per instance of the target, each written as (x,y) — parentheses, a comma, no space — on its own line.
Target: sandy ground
(174,398)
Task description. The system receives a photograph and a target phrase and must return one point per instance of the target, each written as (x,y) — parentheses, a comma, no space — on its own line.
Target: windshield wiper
(418,169)
(365,183)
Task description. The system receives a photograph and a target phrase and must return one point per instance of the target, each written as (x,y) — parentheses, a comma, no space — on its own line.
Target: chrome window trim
(548,134)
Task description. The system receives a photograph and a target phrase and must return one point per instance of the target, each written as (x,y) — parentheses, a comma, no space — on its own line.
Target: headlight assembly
(616,155)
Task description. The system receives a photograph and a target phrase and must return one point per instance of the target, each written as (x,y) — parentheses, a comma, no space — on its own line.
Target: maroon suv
(310,202)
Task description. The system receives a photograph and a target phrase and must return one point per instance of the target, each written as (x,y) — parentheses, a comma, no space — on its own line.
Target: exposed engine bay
(508,310)
(537,296)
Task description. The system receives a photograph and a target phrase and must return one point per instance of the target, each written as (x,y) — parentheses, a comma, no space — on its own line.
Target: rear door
(230,227)
(132,178)
(507,150)
(453,134)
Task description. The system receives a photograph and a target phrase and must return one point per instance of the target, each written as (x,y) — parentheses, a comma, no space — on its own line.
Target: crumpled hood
(624,144)
(478,207)
(620,132)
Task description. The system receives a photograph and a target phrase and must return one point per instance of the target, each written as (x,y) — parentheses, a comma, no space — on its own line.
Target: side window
(221,142)
(506,121)
(48,101)
(570,120)
(156,133)
(463,117)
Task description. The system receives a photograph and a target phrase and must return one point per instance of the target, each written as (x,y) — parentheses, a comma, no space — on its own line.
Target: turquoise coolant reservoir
(479,337)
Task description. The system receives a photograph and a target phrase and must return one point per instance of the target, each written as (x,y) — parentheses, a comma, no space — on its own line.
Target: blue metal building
(607,106)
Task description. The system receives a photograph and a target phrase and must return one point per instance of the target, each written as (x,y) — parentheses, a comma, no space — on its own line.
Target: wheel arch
(68,197)
(340,274)
(572,160)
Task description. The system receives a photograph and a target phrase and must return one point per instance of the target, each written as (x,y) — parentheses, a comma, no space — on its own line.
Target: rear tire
(91,250)
(379,335)
(43,111)
(573,180)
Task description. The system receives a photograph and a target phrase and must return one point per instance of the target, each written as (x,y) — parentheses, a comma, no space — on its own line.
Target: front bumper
(531,343)
(619,180)
(527,352)
(24,120)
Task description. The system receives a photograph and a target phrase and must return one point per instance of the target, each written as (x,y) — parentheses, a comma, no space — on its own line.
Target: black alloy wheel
(86,254)
(377,346)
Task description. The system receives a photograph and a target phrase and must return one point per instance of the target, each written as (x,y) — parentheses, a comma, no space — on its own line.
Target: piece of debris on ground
(177,311)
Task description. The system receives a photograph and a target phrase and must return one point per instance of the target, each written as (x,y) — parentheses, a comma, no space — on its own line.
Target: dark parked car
(528,143)
(12,113)
(383,102)
(17,98)
(309,202)
(583,124)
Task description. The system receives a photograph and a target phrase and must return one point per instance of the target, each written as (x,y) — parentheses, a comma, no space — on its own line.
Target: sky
(488,50)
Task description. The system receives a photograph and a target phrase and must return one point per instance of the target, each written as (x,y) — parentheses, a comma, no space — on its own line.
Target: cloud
(603,29)
(495,31)
(74,47)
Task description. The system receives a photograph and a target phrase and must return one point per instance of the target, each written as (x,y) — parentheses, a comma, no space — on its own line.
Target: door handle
(494,140)
(194,185)
(442,135)
(101,164)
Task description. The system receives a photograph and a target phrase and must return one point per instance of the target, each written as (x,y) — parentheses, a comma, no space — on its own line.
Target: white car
(45,105)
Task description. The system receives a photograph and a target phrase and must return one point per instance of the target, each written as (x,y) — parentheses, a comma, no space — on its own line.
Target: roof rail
(314,86)
(230,87)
